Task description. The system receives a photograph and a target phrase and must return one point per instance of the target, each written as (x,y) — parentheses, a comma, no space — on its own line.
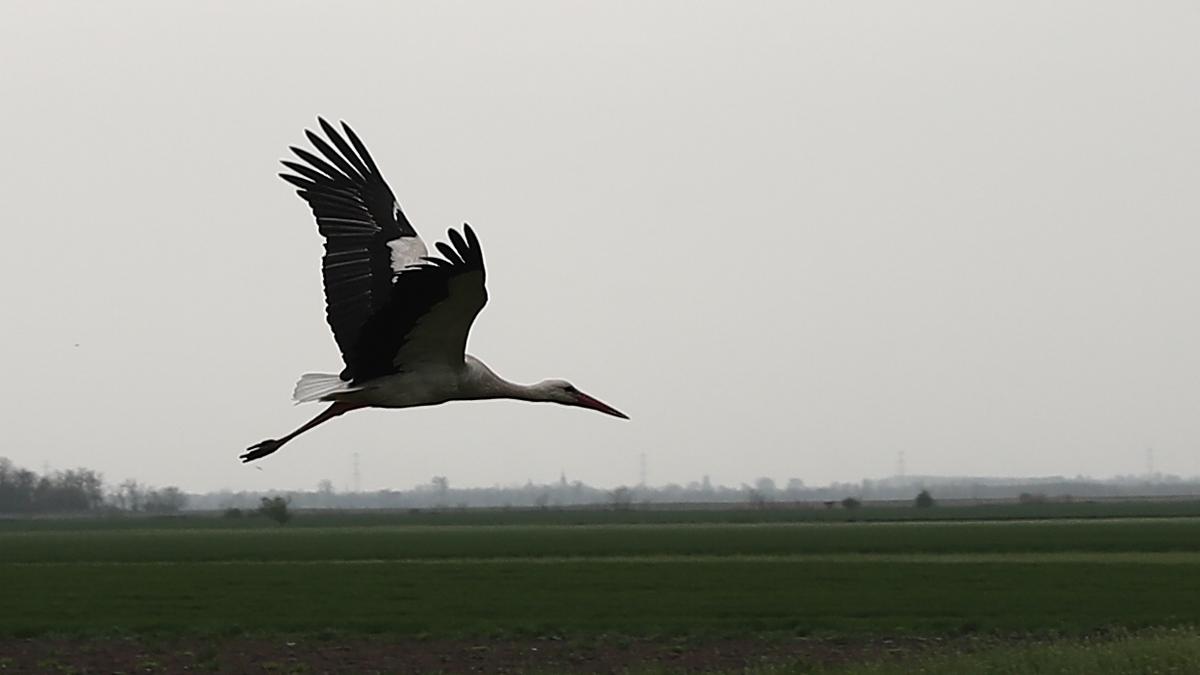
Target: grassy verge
(1153,653)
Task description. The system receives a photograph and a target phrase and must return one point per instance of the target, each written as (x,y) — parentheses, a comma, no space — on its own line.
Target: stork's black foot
(260,450)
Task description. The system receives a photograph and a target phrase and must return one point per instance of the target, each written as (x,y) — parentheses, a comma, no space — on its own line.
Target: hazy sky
(789,239)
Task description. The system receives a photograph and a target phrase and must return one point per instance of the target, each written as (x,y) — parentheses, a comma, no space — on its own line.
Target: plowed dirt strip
(1153,558)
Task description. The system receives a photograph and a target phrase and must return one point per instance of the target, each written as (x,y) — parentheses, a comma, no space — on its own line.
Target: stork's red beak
(584,401)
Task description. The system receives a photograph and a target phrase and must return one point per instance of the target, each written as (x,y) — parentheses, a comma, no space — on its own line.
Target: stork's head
(561,391)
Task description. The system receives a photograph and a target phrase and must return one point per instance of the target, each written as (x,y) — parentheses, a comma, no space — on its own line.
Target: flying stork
(400,317)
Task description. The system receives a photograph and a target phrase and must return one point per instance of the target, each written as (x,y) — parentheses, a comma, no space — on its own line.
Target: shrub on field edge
(276,508)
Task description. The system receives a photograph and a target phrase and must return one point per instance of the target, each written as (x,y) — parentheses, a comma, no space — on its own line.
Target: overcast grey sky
(789,239)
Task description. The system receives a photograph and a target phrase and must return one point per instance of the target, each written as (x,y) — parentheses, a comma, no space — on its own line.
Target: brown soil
(410,655)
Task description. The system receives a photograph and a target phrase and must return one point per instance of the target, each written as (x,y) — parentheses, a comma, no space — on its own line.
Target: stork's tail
(320,386)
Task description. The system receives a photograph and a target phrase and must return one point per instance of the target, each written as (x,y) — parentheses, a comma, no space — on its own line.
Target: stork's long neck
(482,382)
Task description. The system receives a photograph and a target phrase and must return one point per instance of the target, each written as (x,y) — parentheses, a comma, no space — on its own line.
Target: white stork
(400,317)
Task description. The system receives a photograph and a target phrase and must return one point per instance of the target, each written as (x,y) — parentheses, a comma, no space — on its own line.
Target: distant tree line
(83,491)
(132,496)
(440,493)
(72,491)
(23,491)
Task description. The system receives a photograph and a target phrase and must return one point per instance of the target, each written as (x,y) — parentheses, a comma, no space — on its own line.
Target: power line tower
(900,468)
(357,475)
(642,470)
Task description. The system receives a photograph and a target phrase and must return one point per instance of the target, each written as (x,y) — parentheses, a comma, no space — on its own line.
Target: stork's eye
(570,389)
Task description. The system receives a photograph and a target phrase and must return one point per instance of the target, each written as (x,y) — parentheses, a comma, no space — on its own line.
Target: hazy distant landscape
(81,490)
(763,493)
(945,574)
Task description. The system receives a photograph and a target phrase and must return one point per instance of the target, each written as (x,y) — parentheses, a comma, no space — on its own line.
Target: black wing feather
(312,175)
(344,148)
(360,148)
(449,253)
(429,314)
(332,155)
(358,215)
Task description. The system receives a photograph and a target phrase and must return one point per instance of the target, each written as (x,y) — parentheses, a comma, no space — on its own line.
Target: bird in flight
(400,316)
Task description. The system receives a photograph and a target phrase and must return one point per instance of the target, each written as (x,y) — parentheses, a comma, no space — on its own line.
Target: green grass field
(771,579)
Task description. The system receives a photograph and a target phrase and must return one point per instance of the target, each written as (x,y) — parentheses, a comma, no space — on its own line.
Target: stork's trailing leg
(260,450)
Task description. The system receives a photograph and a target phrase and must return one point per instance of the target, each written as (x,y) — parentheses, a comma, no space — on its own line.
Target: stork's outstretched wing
(368,240)
(429,313)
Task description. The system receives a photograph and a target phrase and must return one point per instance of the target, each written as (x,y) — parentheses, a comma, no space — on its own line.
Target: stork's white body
(429,384)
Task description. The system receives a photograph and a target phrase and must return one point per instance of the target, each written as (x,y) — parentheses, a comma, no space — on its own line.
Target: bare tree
(757,499)
(72,491)
(765,485)
(130,495)
(621,498)
(167,500)
(441,486)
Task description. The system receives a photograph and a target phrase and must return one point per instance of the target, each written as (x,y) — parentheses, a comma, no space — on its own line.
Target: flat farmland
(691,581)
